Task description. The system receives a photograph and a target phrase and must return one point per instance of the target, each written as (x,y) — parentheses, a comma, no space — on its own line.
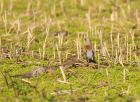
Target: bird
(89,52)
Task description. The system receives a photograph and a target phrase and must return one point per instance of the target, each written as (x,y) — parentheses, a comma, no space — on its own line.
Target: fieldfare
(90,54)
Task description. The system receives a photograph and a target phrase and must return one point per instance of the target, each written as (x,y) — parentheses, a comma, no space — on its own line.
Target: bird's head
(87,40)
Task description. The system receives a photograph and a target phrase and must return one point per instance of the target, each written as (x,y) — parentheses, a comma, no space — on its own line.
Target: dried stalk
(124,75)
(89,19)
(137,61)
(5,22)
(127,49)
(138,20)
(1,6)
(118,41)
(63,73)
(38,4)
(59,54)
(78,47)
(111,39)
(11,6)
(40,54)
(95,48)
(107,74)
(130,54)
(28,8)
(133,40)
(44,47)
(29,38)
(54,55)
(61,67)
(98,60)
(116,56)
(82,2)
(60,39)
(120,58)
(106,50)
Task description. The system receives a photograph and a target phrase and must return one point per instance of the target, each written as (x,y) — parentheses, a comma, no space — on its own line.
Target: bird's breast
(88,47)
(89,54)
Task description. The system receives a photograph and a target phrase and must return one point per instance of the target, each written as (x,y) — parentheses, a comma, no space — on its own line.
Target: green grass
(70,16)
(85,80)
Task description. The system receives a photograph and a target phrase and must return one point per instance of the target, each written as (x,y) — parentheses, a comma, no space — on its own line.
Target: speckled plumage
(90,55)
